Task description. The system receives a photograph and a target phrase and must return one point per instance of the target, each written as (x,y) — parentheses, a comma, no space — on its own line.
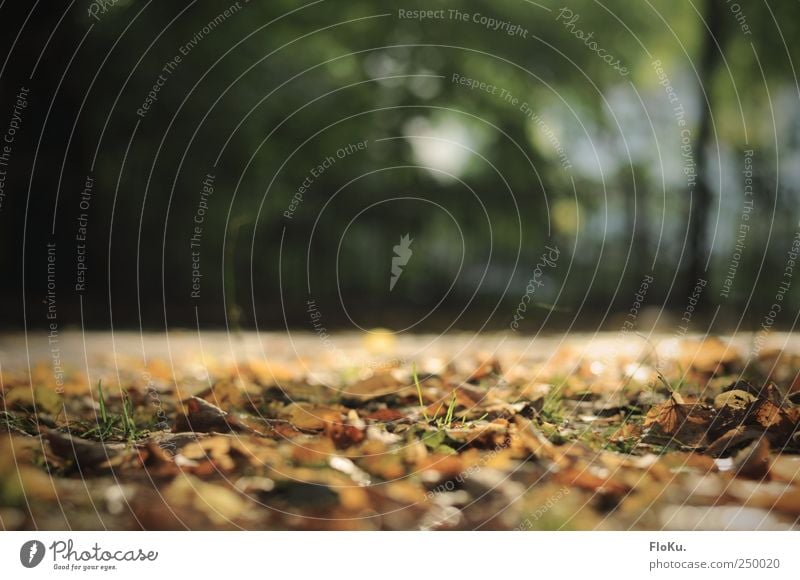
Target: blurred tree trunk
(710,57)
(636,197)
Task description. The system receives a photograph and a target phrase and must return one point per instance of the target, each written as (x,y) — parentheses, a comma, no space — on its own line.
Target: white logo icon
(402,255)
(31,553)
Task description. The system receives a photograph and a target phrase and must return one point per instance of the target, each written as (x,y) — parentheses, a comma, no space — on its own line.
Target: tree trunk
(700,196)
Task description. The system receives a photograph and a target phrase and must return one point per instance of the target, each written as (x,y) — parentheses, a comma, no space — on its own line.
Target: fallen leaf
(384,415)
(686,423)
(82,453)
(753,462)
(201,416)
(770,416)
(344,436)
(585,477)
(485,369)
(224,393)
(735,399)
(43,399)
(307,417)
(379,385)
(731,440)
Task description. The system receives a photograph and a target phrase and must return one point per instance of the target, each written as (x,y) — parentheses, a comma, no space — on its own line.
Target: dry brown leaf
(83,453)
(226,393)
(43,399)
(585,477)
(626,432)
(378,385)
(310,417)
(158,462)
(537,444)
(384,415)
(387,466)
(485,369)
(686,423)
(202,417)
(753,462)
(444,465)
(731,440)
(492,435)
(768,415)
(735,399)
(344,436)
(312,452)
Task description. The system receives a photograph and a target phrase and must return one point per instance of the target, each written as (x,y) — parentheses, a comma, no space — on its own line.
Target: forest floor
(295,431)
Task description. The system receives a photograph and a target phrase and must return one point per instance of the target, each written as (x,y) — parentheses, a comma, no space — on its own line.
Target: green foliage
(553,404)
(282,92)
(111,426)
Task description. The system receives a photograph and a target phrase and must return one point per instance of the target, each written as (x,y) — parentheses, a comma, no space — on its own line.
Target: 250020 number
(758,563)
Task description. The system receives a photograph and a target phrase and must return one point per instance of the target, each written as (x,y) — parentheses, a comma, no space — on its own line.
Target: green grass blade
(103,409)
(419,391)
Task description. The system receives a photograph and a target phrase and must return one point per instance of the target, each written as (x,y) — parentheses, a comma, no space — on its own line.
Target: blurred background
(258,164)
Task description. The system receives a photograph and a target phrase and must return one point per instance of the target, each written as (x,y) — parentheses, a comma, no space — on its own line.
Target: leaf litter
(484,441)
